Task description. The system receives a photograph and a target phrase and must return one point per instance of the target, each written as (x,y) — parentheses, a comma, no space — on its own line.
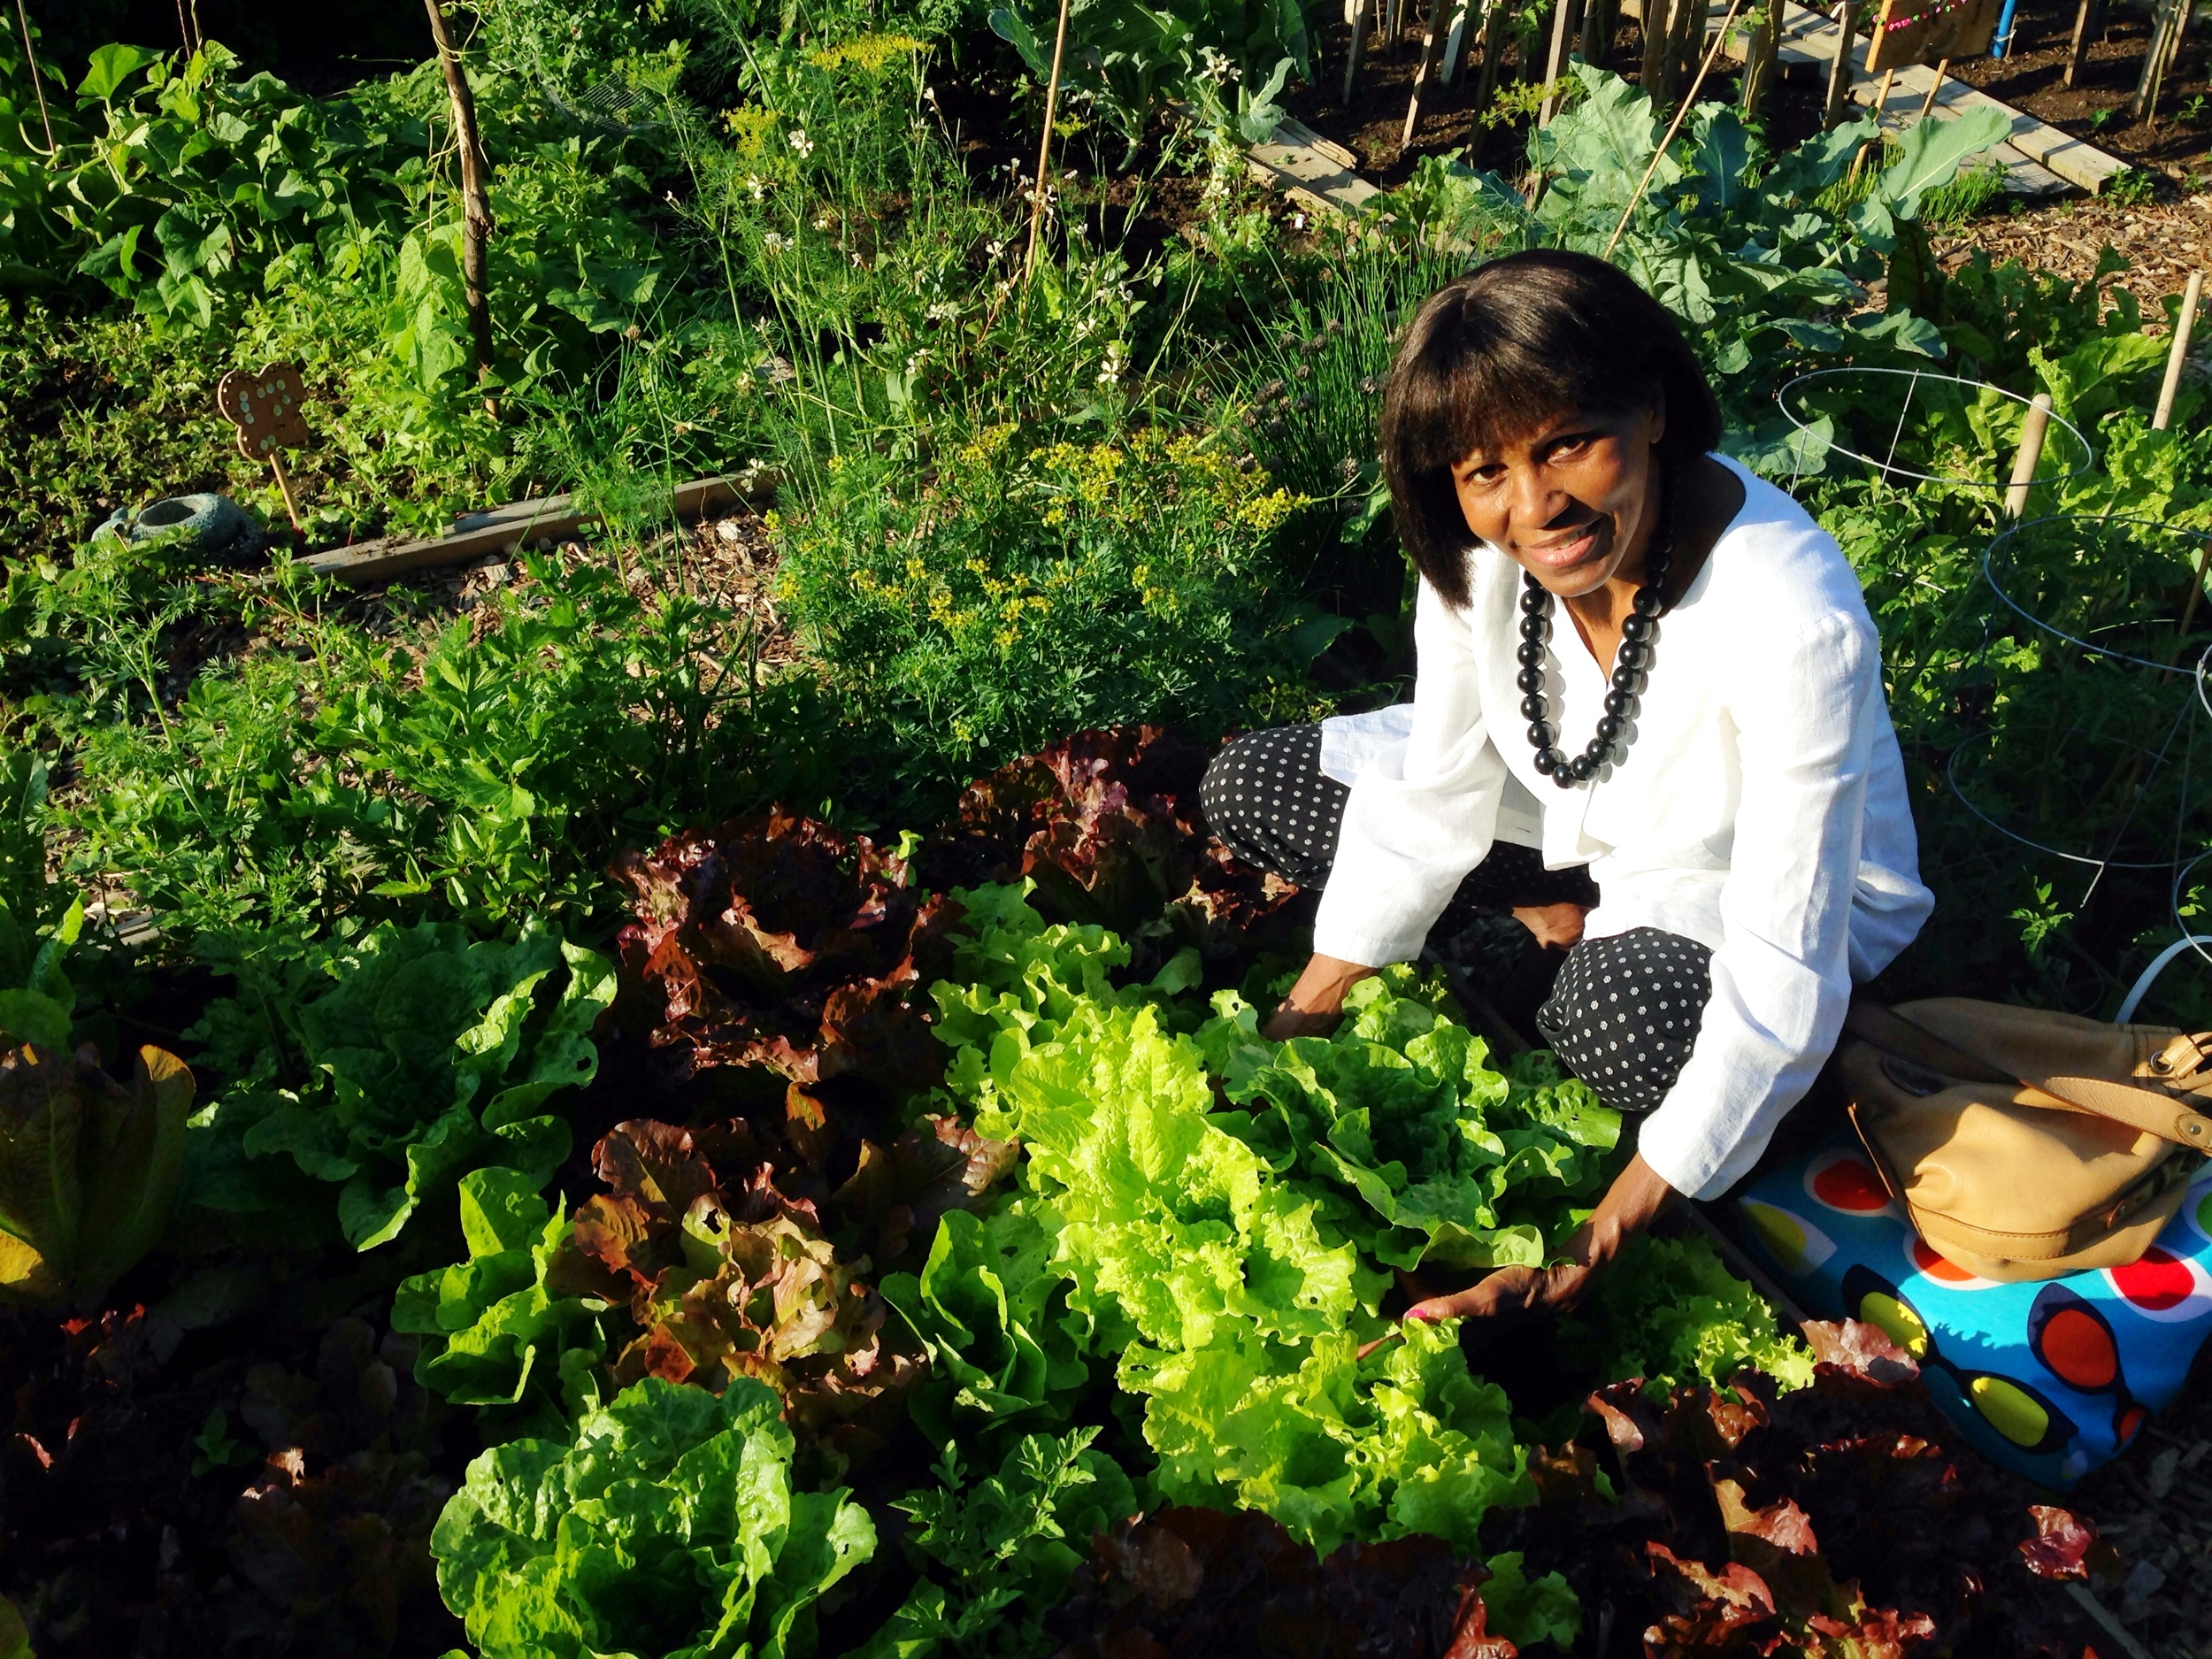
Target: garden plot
(727,1104)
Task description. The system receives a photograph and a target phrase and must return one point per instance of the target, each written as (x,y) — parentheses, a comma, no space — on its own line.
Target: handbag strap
(2151,1110)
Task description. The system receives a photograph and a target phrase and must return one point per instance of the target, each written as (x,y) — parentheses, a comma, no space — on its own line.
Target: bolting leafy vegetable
(1460,1165)
(667,1527)
(428,1054)
(995,1556)
(88,1169)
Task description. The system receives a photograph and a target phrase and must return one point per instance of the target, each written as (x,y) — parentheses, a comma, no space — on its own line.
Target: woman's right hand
(1315,1006)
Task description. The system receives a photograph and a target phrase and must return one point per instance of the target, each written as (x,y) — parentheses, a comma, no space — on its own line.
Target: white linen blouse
(1760,809)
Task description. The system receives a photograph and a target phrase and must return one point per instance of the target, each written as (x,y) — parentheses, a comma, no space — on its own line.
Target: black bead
(1530,678)
(1564,777)
(1619,702)
(1546,761)
(1542,734)
(1535,627)
(1532,706)
(1529,653)
(1608,728)
(1535,599)
(1632,653)
(1636,627)
(1582,766)
(1647,602)
(1629,680)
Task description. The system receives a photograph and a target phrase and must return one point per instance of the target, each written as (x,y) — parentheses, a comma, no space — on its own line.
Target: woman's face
(1573,502)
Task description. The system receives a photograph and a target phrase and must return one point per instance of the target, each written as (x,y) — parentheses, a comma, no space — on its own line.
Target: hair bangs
(1507,349)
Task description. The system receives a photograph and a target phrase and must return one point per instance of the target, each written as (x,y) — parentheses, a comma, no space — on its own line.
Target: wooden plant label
(1931,31)
(265,407)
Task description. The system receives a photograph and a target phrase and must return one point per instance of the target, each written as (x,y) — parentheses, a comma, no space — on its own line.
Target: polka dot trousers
(1623,1011)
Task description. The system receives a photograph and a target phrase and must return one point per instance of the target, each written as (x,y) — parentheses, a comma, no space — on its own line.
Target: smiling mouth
(1567,552)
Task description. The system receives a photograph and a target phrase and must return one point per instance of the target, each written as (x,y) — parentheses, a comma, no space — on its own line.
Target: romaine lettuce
(665,1528)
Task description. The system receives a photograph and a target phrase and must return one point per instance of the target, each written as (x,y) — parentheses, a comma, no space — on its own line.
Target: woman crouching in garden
(1647,720)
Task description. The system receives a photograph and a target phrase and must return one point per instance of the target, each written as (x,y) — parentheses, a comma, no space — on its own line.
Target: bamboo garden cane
(2177,354)
(30,62)
(1044,146)
(1673,127)
(2032,431)
(1928,103)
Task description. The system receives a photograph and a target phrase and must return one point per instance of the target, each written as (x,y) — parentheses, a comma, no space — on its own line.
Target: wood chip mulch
(2163,242)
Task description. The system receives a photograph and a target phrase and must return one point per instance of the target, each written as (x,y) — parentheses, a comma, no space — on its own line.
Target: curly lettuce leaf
(1669,1310)
(1453,1162)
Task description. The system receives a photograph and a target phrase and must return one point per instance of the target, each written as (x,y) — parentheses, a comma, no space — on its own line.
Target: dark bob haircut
(1510,346)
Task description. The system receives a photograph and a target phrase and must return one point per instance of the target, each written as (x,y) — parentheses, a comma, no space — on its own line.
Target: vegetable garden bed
(727,1113)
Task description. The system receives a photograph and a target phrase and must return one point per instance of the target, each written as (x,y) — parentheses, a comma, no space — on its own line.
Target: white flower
(942,312)
(757,185)
(822,222)
(996,249)
(801,144)
(775,241)
(1297,221)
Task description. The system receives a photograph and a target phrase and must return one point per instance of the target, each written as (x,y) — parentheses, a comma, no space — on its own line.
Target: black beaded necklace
(1639,631)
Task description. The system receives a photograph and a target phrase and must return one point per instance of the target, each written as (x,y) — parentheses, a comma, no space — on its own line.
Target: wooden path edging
(506,529)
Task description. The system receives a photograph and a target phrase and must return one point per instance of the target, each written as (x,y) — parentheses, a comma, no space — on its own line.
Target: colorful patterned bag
(2049,1377)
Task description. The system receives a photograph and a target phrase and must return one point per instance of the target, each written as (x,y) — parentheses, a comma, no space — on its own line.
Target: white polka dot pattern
(1626,1011)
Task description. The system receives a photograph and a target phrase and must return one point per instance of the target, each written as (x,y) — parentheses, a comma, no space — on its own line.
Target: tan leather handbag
(2024,1144)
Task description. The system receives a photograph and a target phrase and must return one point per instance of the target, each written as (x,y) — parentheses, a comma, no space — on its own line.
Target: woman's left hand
(1630,1205)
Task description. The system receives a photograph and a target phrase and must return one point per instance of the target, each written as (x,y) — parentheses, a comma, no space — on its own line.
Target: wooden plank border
(506,529)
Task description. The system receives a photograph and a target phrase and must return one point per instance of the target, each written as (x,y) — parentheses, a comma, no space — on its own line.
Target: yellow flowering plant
(1022,592)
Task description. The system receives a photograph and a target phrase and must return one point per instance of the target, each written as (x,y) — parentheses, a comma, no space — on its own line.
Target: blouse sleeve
(1782,976)
(1423,813)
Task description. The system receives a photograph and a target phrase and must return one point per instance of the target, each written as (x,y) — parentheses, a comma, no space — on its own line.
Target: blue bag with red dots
(2050,1377)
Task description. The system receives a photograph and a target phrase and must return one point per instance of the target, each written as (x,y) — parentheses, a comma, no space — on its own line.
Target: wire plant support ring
(2113,766)
(1817,426)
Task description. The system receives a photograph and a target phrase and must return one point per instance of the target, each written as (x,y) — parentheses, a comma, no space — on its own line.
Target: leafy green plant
(175,179)
(1228,1293)
(395,1063)
(991,1313)
(1133,57)
(995,1552)
(88,1168)
(488,771)
(1461,1165)
(2136,187)
(667,1525)
(1670,1311)
(496,1336)
(1036,591)
(1733,243)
